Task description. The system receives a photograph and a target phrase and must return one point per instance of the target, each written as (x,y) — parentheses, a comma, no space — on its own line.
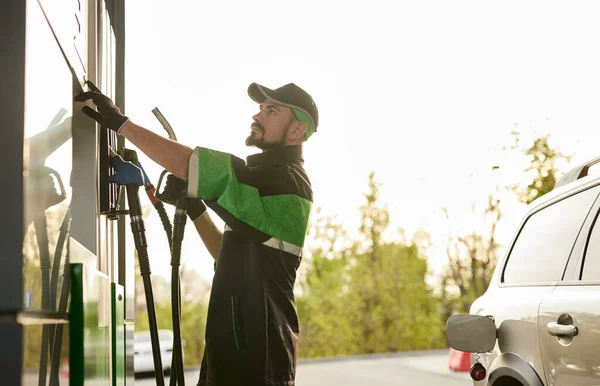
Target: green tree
(367,295)
(193,310)
(472,258)
(396,309)
(543,169)
(324,326)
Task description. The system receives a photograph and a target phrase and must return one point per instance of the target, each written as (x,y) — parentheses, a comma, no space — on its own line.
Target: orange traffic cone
(64,369)
(459,360)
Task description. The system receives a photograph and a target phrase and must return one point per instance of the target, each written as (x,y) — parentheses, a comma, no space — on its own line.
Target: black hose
(139,237)
(62,306)
(164,218)
(57,334)
(160,208)
(60,243)
(175,368)
(41,233)
(175,292)
(178,232)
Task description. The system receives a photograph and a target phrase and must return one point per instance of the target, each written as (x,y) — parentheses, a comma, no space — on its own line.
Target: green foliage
(542,167)
(366,297)
(193,321)
(193,314)
(396,311)
(193,324)
(472,259)
(374,218)
(323,330)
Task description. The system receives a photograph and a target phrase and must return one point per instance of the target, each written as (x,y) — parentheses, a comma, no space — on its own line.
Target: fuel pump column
(132,178)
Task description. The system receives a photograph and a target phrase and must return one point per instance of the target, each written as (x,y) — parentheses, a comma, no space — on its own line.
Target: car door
(535,264)
(569,317)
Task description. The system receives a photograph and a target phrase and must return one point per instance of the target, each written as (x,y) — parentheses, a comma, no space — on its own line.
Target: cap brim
(259,93)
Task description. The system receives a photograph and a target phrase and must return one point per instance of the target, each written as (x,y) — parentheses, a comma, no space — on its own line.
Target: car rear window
(544,244)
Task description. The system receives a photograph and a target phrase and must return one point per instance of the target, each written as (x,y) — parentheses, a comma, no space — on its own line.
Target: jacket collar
(279,156)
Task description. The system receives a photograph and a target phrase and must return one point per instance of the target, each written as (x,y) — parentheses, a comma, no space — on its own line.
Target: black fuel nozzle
(174,186)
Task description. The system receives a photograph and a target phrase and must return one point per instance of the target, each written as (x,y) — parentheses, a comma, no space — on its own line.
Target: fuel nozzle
(131,156)
(132,178)
(172,192)
(126,173)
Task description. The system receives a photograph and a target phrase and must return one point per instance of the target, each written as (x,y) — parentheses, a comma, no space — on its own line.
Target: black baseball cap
(292,96)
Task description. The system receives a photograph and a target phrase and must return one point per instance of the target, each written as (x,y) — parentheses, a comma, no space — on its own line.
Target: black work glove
(172,192)
(108,115)
(196,208)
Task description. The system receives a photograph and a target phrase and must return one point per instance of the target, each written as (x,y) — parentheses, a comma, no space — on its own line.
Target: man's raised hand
(108,115)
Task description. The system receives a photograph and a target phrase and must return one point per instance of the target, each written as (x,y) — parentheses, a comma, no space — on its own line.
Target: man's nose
(256,117)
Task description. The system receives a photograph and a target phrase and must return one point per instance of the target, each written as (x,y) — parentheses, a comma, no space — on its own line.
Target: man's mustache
(257,125)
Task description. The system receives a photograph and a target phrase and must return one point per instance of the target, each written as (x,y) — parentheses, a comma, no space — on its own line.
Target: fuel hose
(141,245)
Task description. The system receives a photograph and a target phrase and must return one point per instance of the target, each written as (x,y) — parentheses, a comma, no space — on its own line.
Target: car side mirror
(471,333)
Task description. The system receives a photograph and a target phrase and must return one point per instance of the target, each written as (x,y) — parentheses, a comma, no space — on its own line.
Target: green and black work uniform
(252,328)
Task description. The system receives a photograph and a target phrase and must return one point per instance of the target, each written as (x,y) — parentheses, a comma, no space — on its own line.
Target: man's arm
(209,233)
(169,154)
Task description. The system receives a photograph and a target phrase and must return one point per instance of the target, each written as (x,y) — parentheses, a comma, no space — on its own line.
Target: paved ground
(414,369)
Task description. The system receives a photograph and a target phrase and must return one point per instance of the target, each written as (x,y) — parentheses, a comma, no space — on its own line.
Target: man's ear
(299,130)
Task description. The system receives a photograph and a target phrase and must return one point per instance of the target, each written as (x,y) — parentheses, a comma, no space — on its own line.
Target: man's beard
(264,145)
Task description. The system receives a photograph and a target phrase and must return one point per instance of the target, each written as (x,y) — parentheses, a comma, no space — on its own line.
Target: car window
(544,244)
(591,263)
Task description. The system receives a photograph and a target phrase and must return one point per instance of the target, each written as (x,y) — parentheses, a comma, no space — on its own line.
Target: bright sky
(424,93)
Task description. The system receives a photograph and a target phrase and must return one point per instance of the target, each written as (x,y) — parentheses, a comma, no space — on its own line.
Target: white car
(538,323)
(143,360)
